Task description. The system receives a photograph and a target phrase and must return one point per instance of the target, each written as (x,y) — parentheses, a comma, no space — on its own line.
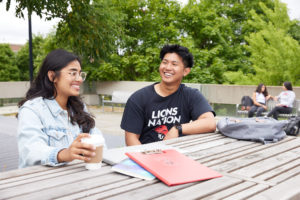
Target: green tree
(89,28)
(218,28)
(8,70)
(148,25)
(274,53)
(294,30)
(22,57)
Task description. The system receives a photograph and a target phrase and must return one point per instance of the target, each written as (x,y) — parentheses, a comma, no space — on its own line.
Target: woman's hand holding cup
(78,150)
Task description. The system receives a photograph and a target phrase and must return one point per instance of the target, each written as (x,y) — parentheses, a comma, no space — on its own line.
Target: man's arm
(132,139)
(204,124)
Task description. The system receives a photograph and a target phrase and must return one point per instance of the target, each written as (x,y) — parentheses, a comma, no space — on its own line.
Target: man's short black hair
(183,52)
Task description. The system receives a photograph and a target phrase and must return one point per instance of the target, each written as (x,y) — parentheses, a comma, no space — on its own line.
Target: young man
(167,109)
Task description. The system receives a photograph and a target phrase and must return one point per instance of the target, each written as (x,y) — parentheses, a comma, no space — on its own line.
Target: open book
(131,168)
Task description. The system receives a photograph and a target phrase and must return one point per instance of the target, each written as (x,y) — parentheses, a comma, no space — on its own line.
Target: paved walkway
(109,123)
(8,143)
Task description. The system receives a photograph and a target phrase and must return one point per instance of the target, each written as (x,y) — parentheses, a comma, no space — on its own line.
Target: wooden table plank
(245,194)
(219,152)
(182,140)
(34,170)
(243,152)
(81,185)
(283,191)
(202,189)
(287,175)
(199,141)
(245,158)
(39,178)
(51,182)
(113,188)
(149,191)
(121,192)
(269,163)
(249,179)
(20,172)
(208,145)
(280,170)
(41,174)
(230,191)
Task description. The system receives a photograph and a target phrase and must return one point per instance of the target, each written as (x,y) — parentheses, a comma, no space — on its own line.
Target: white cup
(98,142)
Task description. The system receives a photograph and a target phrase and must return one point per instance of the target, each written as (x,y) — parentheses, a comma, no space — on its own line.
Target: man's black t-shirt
(152,116)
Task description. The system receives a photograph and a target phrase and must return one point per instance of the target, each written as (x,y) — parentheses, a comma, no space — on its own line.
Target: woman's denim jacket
(43,131)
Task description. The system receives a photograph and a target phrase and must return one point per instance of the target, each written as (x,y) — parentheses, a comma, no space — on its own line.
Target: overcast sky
(15,31)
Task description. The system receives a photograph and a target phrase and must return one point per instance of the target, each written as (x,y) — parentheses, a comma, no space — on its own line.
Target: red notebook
(172,167)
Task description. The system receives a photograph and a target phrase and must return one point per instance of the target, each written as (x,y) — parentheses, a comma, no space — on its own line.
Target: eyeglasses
(75,75)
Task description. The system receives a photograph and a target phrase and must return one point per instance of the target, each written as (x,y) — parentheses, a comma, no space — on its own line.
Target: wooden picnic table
(250,171)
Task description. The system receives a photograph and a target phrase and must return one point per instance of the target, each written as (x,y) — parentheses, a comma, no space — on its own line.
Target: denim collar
(53,106)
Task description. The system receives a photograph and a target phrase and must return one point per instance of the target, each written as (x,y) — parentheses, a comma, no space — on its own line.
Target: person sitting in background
(52,117)
(286,99)
(246,103)
(260,97)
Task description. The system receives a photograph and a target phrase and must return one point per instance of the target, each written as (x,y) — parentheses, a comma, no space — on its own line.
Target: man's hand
(173,133)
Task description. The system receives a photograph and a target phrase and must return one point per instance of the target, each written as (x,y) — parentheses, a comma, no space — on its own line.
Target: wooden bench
(271,104)
(117,97)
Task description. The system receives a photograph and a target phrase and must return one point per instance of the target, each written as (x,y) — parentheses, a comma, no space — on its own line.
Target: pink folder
(172,167)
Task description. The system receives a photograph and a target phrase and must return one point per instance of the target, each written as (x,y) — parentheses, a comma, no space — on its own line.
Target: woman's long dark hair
(42,87)
(258,89)
(288,85)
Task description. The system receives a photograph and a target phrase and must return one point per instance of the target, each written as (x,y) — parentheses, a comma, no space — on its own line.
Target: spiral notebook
(172,167)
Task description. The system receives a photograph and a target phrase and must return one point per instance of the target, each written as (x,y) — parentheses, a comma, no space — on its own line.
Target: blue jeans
(279,109)
(258,109)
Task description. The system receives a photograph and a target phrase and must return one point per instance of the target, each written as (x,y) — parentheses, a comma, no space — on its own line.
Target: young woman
(286,100)
(52,118)
(260,97)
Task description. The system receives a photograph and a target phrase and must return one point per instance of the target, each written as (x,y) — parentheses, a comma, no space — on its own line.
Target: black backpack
(293,126)
(246,103)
